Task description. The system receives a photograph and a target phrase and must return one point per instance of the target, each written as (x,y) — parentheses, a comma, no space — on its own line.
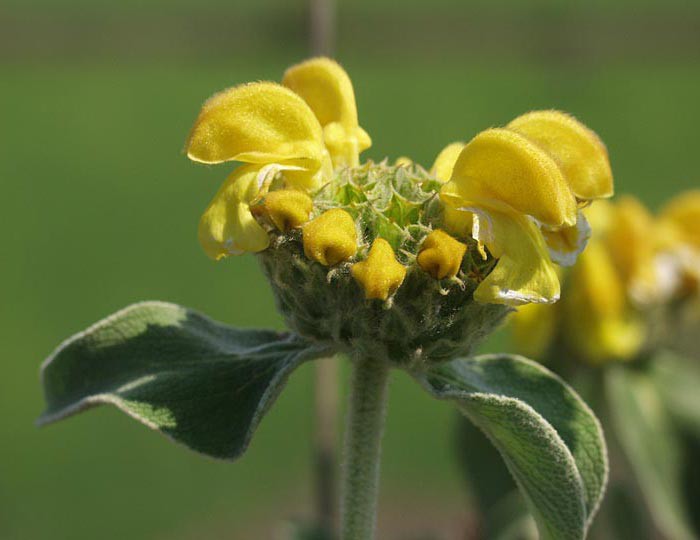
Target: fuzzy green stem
(364,428)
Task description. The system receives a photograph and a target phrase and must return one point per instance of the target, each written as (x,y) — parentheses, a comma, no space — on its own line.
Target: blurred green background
(99,209)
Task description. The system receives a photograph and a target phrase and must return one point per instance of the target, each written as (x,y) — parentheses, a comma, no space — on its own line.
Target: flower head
(439,256)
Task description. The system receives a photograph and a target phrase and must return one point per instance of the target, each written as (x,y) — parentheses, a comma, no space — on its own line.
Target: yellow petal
(327,89)
(599,322)
(630,242)
(330,238)
(457,222)
(565,245)
(257,123)
(403,161)
(288,208)
(683,212)
(533,327)
(523,274)
(578,151)
(445,161)
(380,275)
(441,255)
(227,226)
(501,166)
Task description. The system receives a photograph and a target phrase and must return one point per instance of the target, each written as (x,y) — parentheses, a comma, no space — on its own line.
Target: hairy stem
(364,428)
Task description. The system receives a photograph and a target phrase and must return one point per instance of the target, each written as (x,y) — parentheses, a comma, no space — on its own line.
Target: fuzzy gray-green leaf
(203,384)
(549,439)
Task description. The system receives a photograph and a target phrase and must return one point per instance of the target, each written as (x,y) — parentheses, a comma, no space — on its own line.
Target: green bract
(427,320)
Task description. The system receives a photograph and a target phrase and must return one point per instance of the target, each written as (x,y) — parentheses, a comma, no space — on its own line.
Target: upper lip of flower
(297,128)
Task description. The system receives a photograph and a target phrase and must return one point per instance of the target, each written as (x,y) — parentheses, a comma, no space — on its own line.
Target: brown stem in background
(325,442)
(322,27)
(322,37)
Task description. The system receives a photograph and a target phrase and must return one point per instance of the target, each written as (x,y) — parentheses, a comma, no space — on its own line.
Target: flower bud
(330,238)
(380,275)
(288,208)
(441,255)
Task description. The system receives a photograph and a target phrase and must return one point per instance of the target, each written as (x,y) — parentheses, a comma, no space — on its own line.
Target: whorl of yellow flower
(380,275)
(298,130)
(441,255)
(288,208)
(519,189)
(330,238)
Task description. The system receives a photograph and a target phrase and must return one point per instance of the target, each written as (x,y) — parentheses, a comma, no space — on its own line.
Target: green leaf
(645,433)
(548,437)
(203,384)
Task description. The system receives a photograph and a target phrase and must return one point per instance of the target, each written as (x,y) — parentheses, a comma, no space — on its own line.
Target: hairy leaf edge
(447,395)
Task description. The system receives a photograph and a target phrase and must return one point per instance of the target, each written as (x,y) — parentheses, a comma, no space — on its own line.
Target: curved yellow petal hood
(578,151)
(499,165)
(327,89)
(257,123)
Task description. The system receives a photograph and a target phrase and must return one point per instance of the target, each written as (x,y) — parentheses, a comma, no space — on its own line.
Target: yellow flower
(330,238)
(519,189)
(445,161)
(683,212)
(298,130)
(629,239)
(600,318)
(679,242)
(326,88)
(534,327)
(600,324)
(441,255)
(288,208)
(227,226)
(380,275)
(262,123)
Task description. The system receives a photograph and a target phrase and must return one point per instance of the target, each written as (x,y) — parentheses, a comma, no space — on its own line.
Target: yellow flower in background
(679,242)
(519,189)
(609,292)
(683,212)
(298,131)
(599,322)
(534,328)
(629,239)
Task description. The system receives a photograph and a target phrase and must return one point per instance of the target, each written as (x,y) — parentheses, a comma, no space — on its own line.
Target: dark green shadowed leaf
(548,437)
(202,383)
(651,446)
